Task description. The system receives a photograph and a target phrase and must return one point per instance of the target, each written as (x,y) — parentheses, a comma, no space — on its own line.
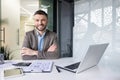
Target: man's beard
(41,29)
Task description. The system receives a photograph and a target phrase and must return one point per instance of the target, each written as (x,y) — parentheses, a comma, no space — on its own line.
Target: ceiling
(28,7)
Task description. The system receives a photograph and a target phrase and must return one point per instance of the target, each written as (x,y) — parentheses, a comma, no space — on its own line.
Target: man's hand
(28,51)
(52,48)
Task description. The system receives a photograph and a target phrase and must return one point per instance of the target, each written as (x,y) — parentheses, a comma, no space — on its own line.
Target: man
(40,43)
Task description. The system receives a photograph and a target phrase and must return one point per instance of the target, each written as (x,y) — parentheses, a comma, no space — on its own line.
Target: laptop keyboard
(73,66)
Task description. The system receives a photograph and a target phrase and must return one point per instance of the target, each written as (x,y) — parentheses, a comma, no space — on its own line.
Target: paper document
(39,66)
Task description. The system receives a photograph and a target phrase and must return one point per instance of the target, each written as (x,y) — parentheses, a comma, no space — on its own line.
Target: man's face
(40,22)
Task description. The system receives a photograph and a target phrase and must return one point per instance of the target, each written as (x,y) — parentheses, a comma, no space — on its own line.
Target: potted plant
(5,51)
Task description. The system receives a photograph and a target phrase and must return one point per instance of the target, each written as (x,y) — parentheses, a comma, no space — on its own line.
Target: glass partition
(97,21)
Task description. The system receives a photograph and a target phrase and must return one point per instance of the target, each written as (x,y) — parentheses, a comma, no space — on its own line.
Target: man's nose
(40,22)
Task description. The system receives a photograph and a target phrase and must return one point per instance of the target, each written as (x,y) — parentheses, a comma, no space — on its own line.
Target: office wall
(66,22)
(0,22)
(97,21)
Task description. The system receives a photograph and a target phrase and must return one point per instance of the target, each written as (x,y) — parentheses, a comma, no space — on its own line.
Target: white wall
(11,14)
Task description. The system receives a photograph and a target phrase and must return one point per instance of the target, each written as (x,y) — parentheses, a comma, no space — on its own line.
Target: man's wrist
(36,53)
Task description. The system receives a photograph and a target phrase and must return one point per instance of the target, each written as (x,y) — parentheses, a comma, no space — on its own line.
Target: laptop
(91,59)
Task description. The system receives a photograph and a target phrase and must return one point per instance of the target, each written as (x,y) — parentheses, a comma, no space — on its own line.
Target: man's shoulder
(30,32)
(50,32)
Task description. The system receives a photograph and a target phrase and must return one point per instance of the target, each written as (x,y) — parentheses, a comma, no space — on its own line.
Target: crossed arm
(29,54)
(28,51)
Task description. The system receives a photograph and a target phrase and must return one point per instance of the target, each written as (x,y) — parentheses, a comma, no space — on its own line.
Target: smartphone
(14,72)
(22,64)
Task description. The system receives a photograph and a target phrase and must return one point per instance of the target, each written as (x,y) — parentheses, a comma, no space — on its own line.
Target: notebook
(91,59)
(13,72)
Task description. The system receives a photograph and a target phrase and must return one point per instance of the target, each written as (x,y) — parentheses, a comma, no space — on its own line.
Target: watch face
(1,58)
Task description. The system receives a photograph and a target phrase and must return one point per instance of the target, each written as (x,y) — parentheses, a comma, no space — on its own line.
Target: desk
(103,71)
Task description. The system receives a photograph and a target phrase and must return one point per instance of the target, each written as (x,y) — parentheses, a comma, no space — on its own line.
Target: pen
(57,69)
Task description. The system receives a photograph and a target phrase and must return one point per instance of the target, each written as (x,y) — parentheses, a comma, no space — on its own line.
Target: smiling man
(40,43)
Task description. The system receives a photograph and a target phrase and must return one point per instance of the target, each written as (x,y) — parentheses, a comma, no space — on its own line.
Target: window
(97,21)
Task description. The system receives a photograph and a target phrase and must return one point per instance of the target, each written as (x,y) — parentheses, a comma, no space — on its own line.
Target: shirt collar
(38,34)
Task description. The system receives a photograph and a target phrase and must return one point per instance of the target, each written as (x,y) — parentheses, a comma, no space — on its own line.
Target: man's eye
(43,19)
(37,20)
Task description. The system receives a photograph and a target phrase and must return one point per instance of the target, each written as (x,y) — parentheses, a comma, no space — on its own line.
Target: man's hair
(41,12)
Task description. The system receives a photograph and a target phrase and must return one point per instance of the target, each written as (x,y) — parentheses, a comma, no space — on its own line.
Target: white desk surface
(103,71)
